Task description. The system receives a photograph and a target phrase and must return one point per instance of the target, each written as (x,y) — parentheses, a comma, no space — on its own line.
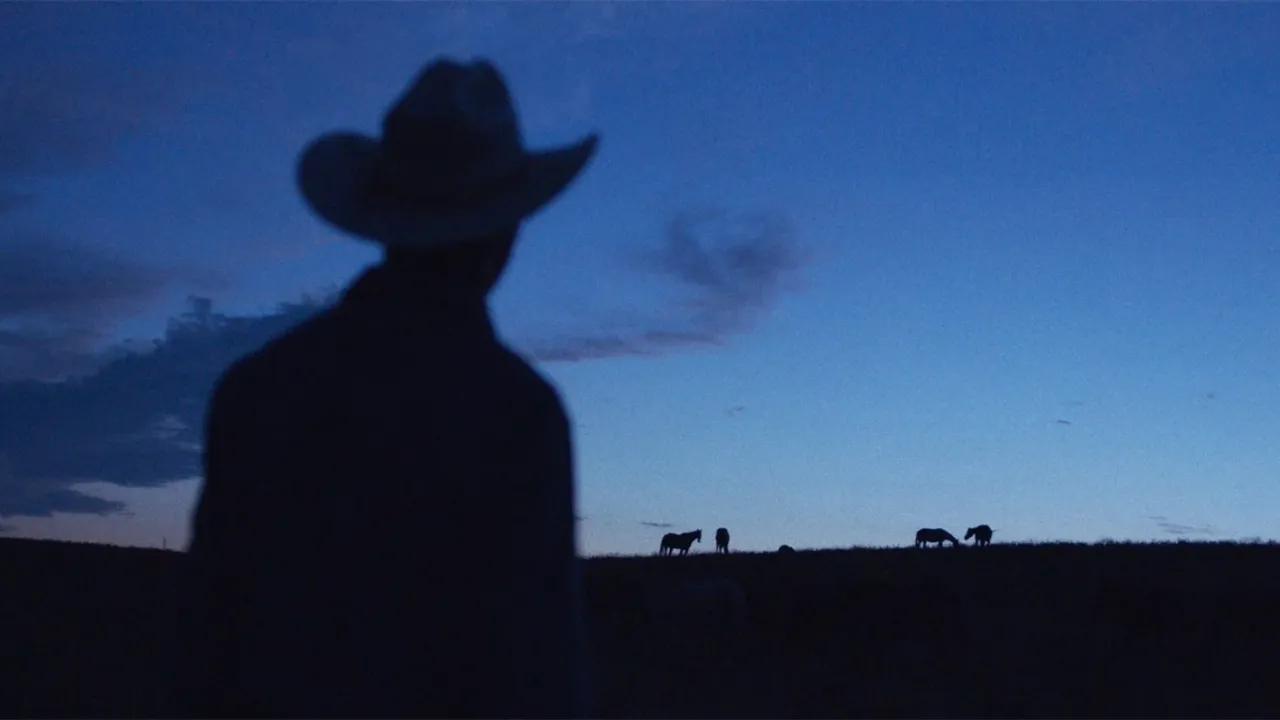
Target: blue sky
(969,221)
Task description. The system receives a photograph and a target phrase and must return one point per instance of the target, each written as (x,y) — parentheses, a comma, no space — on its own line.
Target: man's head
(449,167)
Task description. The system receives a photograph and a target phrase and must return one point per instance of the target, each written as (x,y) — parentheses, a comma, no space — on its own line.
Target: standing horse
(679,541)
(981,535)
(924,536)
(722,540)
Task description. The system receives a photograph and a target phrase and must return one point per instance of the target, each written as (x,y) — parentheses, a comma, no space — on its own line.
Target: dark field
(1166,630)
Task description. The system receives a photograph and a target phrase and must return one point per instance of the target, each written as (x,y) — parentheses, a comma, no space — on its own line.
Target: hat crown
(450,164)
(455,123)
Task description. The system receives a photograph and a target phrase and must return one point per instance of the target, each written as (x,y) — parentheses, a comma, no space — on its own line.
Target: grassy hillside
(1119,630)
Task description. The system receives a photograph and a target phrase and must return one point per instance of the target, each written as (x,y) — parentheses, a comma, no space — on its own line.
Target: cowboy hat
(450,166)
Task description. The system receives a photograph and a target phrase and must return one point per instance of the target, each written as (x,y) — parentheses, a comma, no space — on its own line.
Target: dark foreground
(1171,630)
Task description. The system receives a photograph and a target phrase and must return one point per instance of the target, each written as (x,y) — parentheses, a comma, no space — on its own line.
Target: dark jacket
(386,523)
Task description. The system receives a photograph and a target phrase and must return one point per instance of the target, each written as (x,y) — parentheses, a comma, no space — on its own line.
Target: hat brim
(335,175)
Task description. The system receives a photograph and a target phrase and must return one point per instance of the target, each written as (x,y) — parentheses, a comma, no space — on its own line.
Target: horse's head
(969,533)
(697,535)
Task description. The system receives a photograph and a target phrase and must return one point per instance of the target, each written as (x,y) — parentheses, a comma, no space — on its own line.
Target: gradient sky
(839,270)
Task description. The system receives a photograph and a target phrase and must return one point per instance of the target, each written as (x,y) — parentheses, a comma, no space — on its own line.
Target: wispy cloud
(1180,530)
(731,270)
(661,525)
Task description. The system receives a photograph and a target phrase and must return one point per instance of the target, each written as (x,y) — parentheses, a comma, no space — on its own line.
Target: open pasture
(1038,630)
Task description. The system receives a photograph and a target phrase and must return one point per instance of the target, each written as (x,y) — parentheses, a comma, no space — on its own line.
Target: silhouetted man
(386,522)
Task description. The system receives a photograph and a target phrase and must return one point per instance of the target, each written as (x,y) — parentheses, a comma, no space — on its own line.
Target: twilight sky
(839,270)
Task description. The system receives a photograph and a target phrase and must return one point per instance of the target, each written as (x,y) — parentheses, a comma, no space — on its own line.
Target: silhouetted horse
(981,535)
(679,541)
(924,536)
(786,549)
(722,540)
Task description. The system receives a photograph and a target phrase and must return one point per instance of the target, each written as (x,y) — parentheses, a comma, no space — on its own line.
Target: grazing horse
(786,549)
(924,536)
(722,540)
(679,541)
(981,535)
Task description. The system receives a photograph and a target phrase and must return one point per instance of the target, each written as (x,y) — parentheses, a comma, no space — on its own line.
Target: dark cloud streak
(1180,530)
(59,300)
(56,120)
(731,268)
(43,276)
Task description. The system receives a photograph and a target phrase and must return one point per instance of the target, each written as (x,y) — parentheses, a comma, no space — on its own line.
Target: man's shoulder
(280,358)
(524,378)
(307,354)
